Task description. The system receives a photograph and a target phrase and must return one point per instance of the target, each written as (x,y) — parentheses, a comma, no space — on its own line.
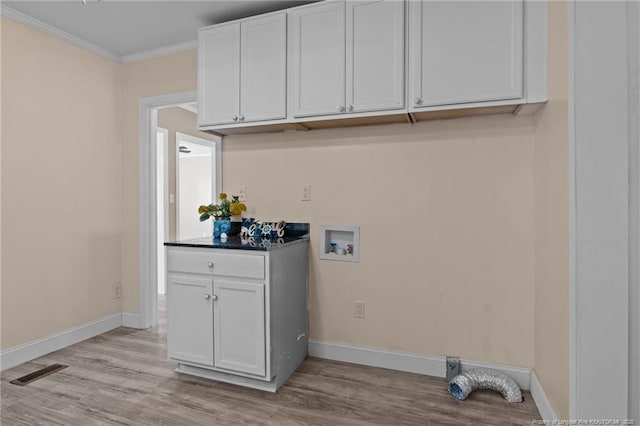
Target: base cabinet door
(190,324)
(465,51)
(239,326)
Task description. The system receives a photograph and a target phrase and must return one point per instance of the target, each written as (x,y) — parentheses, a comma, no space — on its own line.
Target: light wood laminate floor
(123,377)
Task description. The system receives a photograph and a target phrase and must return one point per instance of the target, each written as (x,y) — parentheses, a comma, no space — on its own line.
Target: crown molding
(92,47)
(160,51)
(55,32)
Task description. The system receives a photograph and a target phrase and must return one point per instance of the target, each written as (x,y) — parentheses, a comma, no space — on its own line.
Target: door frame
(147,200)
(165,180)
(216,164)
(607,174)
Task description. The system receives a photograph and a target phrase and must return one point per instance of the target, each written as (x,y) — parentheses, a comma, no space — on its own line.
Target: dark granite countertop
(295,233)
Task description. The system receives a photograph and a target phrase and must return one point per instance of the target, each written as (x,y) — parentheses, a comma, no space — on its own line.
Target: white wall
(634,246)
(195,183)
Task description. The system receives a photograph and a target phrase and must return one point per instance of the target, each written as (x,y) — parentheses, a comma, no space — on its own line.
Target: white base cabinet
(238,316)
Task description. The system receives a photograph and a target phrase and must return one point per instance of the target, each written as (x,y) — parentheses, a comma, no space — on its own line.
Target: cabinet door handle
(350,107)
(214,297)
(241,118)
(340,108)
(210,264)
(235,118)
(417,101)
(207,296)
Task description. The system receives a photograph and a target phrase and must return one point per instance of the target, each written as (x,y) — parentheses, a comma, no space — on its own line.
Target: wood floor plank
(123,377)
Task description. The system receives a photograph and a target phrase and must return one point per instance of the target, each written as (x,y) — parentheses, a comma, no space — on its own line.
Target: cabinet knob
(214,297)
(210,264)
(417,101)
(235,118)
(207,296)
(350,107)
(241,118)
(340,108)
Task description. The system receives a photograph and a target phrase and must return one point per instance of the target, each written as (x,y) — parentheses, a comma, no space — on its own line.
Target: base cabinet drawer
(224,264)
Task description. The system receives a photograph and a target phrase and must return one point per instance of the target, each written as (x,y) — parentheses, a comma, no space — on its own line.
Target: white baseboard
(541,400)
(131,319)
(39,347)
(403,361)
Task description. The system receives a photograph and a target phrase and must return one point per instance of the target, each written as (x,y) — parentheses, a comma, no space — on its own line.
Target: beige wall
(445,211)
(551,360)
(61,185)
(461,278)
(469,183)
(177,120)
(158,76)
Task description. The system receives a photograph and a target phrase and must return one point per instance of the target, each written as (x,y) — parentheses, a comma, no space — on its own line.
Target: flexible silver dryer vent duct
(483,378)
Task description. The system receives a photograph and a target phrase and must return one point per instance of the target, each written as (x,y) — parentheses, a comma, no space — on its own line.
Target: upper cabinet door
(375,55)
(219,75)
(263,68)
(463,52)
(317,52)
(239,326)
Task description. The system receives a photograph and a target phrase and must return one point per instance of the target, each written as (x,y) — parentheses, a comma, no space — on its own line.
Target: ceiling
(131,27)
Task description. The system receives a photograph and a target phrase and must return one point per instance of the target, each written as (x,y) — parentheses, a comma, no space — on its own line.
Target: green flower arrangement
(224,210)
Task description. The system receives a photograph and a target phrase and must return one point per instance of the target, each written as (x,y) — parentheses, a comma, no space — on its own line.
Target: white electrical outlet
(242,193)
(306,193)
(116,291)
(358,308)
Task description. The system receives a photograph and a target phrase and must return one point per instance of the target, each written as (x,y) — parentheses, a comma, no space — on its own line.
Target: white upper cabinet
(375,55)
(242,70)
(219,74)
(351,65)
(352,62)
(263,68)
(317,55)
(465,52)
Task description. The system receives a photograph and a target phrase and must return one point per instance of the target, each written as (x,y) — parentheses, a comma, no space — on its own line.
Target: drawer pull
(210,264)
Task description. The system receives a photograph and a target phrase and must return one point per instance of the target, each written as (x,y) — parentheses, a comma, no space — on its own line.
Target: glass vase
(221,226)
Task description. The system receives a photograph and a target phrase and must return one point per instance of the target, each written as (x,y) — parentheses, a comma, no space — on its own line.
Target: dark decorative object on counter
(258,229)
(235,228)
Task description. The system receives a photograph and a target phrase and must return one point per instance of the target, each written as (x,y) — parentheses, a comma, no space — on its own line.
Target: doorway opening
(168,122)
(195,184)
